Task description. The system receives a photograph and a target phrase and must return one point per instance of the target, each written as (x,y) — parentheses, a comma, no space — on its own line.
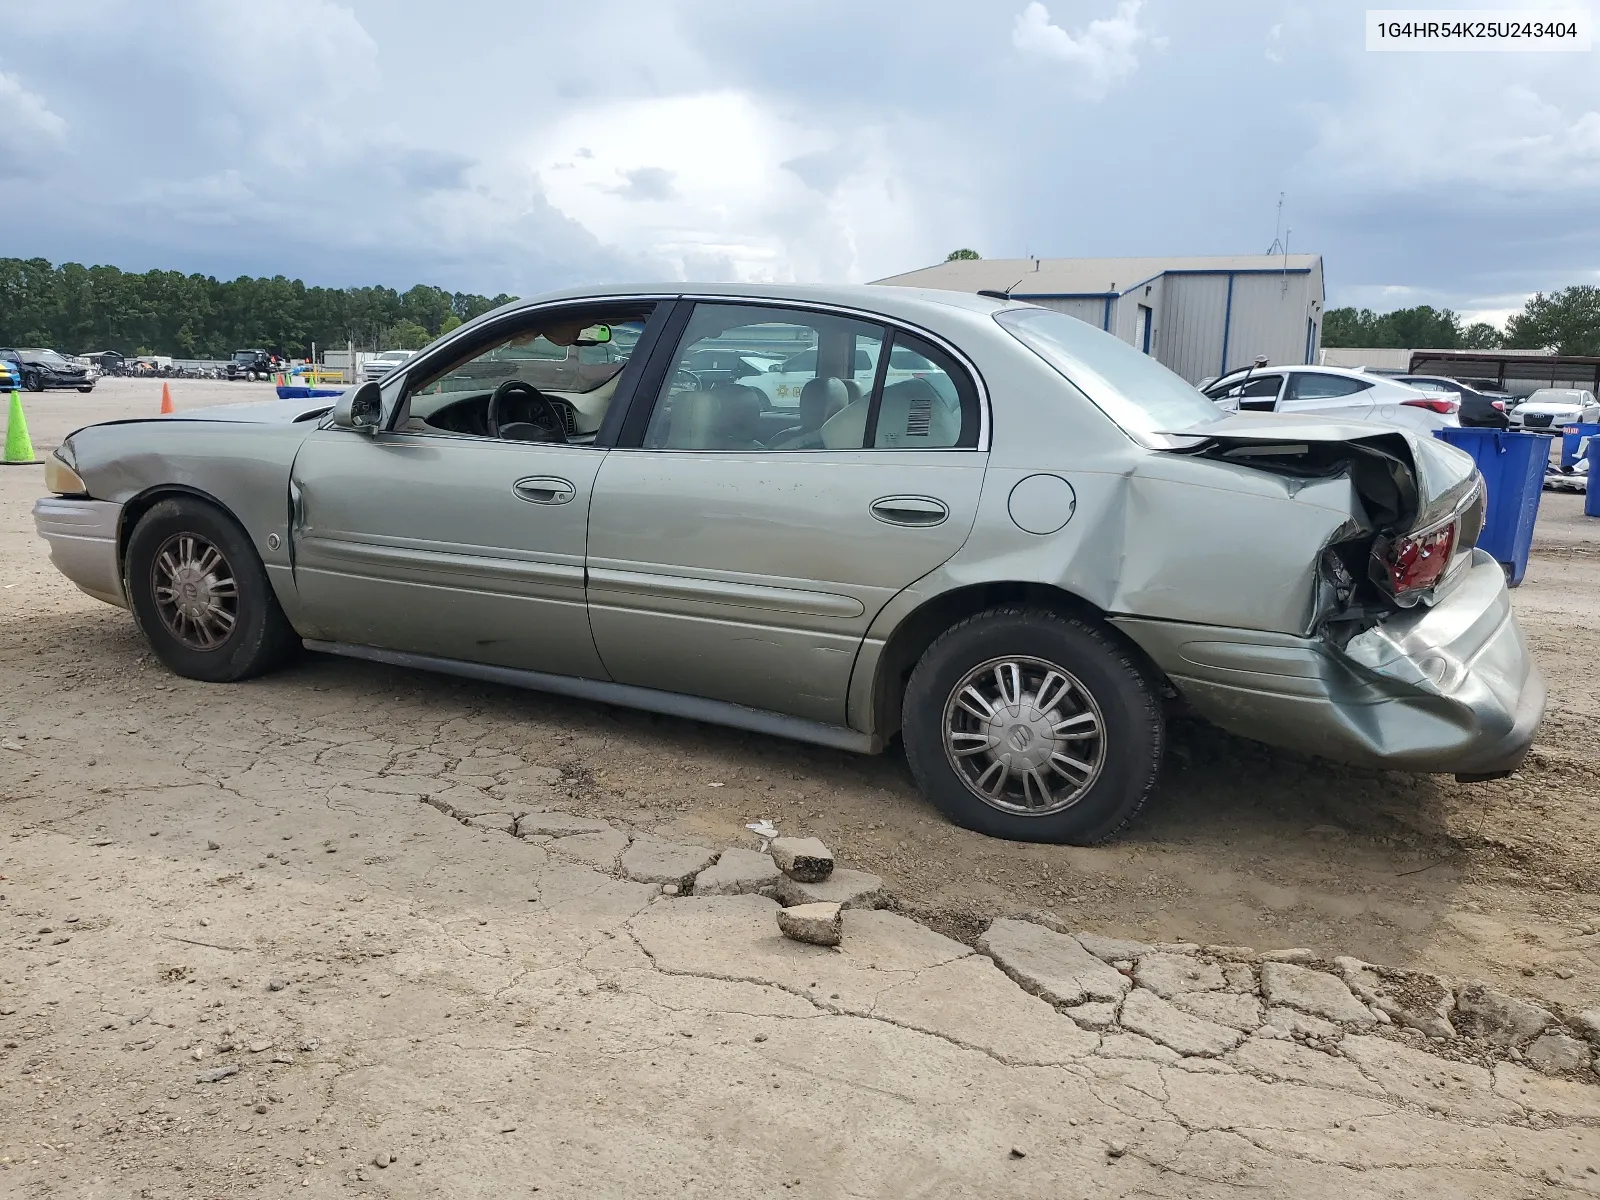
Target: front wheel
(1026,724)
(201,596)
(87,390)
(32,381)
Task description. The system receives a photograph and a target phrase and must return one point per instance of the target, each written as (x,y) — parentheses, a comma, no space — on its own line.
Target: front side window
(551,378)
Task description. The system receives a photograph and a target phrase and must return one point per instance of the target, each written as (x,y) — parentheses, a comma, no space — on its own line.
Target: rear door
(726,568)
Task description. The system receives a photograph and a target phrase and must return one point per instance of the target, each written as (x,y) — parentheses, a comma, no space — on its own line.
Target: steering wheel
(682,376)
(555,431)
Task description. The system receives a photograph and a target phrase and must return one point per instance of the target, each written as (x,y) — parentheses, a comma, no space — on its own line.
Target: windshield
(244,356)
(1130,387)
(49,356)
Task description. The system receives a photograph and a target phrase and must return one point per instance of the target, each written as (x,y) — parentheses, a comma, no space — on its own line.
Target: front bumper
(1449,688)
(83,543)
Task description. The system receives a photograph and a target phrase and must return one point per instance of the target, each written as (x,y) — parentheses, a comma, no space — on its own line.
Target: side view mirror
(359,408)
(775,369)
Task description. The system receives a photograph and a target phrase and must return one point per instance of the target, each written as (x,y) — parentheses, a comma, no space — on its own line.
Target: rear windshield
(1131,388)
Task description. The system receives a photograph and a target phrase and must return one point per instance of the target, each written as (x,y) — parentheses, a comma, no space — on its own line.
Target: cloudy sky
(497,145)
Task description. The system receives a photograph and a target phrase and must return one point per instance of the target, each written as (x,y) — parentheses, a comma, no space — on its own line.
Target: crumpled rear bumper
(83,543)
(1449,688)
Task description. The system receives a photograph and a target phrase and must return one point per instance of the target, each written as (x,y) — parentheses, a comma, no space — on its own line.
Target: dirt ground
(1243,844)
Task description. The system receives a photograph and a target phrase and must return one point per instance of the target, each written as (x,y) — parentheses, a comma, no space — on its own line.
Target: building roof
(1084,276)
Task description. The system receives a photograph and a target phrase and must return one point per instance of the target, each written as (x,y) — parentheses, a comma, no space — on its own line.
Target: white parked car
(376,366)
(1334,392)
(1551,408)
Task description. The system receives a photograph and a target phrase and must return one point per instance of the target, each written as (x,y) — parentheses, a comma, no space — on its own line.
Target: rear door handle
(910,510)
(544,489)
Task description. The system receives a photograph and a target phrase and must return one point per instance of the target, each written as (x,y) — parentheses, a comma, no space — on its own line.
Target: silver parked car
(1015,549)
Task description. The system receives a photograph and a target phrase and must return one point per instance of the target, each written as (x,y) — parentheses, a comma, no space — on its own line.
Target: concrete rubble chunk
(1497,1018)
(817,924)
(1097,1014)
(1298,1024)
(1240,977)
(1298,955)
(1145,1012)
(557,824)
(1225,1008)
(1239,954)
(1050,965)
(1108,949)
(597,849)
(1168,974)
(853,889)
(1315,992)
(1413,999)
(737,872)
(1558,1054)
(649,860)
(1588,1022)
(804,859)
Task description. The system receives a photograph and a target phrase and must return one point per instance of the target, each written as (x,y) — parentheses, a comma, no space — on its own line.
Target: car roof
(884,297)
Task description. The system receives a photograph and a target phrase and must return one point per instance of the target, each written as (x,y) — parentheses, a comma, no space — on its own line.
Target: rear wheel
(201,596)
(1026,724)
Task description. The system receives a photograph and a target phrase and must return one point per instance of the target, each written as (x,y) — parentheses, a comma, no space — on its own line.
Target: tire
(258,636)
(32,382)
(87,390)
(1112,776)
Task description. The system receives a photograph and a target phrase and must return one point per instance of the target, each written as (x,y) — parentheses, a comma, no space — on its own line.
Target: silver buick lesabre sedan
(988,527)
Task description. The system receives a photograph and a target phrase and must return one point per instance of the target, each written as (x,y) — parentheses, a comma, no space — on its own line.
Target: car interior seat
(820,399)
(726,418)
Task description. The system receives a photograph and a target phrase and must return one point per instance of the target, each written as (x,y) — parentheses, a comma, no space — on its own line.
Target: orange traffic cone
(166,399)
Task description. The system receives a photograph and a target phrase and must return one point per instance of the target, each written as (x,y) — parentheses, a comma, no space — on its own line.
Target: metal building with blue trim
(1202,317)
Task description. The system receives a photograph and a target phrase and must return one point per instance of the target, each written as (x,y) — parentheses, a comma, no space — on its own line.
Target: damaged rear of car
(1411,658)
(1307,583)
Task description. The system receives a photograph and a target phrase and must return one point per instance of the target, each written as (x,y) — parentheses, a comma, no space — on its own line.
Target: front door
(743,562)
(459,531)
(459,547)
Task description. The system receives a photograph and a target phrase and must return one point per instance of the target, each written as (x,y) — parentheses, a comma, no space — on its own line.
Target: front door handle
(544,489)
(910,510)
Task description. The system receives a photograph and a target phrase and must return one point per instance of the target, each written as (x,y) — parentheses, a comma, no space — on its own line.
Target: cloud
(645,183)
(1101,55)
(26,123)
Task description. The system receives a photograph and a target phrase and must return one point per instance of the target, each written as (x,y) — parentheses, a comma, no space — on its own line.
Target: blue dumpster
(1571,436)
(1513,466)
(1591,500)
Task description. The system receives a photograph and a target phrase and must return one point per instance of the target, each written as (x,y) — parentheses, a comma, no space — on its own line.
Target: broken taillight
(1446,407)
(1417,562)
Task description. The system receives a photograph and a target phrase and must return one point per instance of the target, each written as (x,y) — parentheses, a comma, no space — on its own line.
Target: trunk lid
(1417,508)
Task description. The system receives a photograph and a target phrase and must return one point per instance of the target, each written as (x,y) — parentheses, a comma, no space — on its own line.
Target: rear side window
(927,402)
(1323,387)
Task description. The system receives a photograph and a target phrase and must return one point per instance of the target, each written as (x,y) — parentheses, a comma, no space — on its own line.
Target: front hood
(260,412)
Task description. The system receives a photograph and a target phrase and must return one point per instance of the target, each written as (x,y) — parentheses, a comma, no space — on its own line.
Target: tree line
(73,309)
(1565,321)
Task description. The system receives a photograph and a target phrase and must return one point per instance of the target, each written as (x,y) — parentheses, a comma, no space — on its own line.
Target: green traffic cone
(18,448)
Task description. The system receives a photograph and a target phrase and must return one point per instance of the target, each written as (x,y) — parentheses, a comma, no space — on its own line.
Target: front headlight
(61,478)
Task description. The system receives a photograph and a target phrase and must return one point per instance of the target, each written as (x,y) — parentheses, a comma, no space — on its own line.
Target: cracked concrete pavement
(320,881)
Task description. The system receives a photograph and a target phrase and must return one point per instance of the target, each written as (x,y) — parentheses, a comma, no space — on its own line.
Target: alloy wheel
(195,592)
(1024,735)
